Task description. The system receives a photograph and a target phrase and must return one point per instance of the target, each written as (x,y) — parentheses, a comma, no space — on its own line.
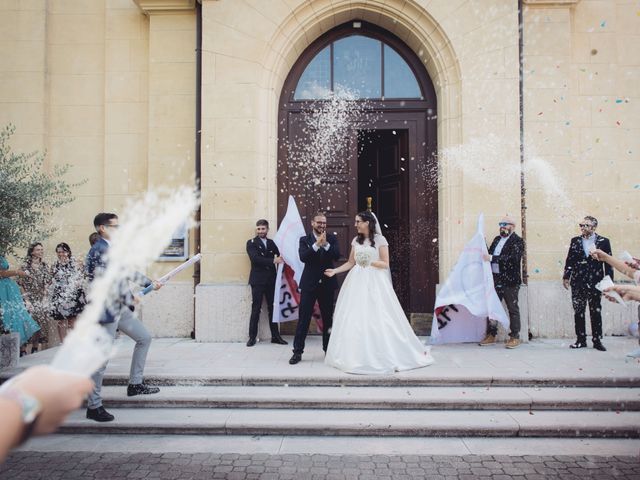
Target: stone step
(411,423)
(441,377)
(314,445)
(421,398)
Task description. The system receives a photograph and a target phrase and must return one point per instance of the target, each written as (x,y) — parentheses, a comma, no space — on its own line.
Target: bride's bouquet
(363,257)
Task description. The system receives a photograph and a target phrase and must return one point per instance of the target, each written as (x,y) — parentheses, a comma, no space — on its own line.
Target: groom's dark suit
(314,285)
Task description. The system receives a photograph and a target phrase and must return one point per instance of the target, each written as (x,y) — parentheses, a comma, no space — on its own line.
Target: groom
(317,251)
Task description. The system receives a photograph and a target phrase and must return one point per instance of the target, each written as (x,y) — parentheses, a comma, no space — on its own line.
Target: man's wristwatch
(29,405)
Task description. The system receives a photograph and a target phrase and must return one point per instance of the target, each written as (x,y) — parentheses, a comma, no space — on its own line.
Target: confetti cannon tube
(173,272)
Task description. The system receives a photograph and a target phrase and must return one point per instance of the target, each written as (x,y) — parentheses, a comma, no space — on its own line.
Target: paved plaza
(36,465)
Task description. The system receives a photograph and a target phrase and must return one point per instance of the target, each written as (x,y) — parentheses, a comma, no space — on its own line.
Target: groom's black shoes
(141,389)
(99,414)
(295,358)
(597,344)
(251,342)
(279,340)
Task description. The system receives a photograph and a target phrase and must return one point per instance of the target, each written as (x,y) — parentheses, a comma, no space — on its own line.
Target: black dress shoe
(578,344)
(251,342)
(141,389)
(279,341)
(295,358)
(599,346)
(99,415)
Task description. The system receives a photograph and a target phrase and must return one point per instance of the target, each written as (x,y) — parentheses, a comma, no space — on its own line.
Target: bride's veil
(378,227)
(379,232)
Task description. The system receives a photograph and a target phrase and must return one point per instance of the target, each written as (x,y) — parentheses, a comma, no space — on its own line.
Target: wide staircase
(373,406)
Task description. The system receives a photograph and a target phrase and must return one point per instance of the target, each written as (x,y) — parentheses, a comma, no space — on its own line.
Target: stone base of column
(223,311)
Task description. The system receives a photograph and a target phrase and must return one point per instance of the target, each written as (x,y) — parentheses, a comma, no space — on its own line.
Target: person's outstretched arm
(345,267)
(619,265)
(12,273)
(627,292)
(57,394)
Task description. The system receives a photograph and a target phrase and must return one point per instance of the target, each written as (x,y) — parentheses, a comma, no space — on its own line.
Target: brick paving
(180,466)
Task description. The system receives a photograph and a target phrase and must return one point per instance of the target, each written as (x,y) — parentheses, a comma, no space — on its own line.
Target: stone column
(170,122)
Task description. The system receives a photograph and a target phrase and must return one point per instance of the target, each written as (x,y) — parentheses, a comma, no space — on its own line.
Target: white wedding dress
(371,334)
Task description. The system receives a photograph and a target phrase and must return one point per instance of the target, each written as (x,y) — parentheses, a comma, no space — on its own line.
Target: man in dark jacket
(582,272)
(265,257)
(505,255)
(318,251)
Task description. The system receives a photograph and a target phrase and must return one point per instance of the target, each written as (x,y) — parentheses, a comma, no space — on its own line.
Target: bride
(371,334)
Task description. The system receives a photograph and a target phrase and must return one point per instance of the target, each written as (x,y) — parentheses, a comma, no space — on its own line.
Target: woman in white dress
(371,334)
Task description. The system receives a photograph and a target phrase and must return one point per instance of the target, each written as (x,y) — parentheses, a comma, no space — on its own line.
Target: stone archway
(420,32)
(388,156)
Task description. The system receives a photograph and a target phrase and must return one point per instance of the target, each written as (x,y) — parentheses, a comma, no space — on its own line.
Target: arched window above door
(363,66)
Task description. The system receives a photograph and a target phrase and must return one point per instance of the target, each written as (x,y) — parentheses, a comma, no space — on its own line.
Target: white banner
(468,297)
(286,299)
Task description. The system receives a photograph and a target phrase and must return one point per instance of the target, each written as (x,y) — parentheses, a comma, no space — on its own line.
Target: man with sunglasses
(505,255)
(582,272)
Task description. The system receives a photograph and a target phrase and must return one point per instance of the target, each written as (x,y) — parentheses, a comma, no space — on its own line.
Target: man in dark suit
(265,257)
(505,255)
(317,251)
(118,314)
(582,272)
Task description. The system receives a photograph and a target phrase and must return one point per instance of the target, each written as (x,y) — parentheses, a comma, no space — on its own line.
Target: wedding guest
(34,288)
(67,295)
(117,316)
(36,402)
(582,272)
(265,257)
(505,255)
(15,317)
(632,270)
(93,238)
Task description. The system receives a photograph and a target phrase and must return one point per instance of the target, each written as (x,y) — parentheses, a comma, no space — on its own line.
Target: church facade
(529,108)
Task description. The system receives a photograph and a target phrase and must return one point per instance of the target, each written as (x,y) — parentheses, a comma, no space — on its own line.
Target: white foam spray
(145,230)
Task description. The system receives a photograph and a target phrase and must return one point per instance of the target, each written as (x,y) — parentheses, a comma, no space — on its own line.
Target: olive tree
(29,196)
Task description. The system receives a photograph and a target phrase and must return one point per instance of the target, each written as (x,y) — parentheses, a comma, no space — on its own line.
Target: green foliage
(29,196)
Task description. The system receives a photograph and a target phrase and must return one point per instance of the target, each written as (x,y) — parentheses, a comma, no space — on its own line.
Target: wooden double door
(392,160)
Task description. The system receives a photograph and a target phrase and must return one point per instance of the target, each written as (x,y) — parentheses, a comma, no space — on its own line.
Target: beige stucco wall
(109,86)
(582,116)
(249,48)
(111,91)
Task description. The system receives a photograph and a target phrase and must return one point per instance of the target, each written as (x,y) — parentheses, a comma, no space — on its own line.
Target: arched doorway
(388,155)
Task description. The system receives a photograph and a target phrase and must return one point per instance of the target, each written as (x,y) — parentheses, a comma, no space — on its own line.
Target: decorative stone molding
(550,3)
(165,6)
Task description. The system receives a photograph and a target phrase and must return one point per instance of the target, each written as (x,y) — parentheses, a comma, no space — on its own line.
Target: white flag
(468,297)
(286,298)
